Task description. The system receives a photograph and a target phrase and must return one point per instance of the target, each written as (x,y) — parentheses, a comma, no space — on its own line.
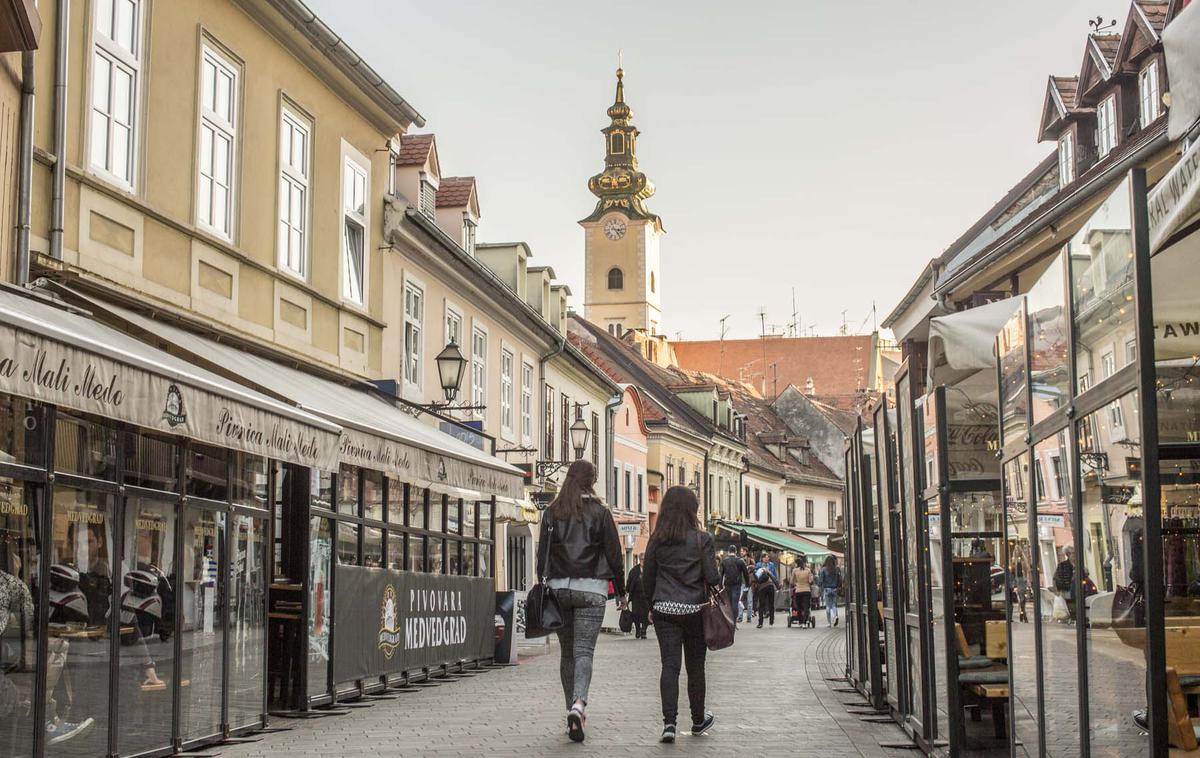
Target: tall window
(640,487)
(526,401)
(428,200)
(548,446)
(671,474)
(116,75)
(1149,95)
(479,347)
(294,147)
(1066,159)
(808,514)
(469,236)
(564,430)
(757,506)
(414,310)
(628,490)
(652,281)
(1060,482)
(1039,479)
(218,135)
(791,511)
(506,391)
(616,279)
(1106,126)
(453,327)
(354,243)
(595,438)
(770,516)
(746,503)
(832,514)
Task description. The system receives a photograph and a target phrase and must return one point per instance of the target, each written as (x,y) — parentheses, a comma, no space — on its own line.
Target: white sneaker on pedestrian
(575,721)
(60,731)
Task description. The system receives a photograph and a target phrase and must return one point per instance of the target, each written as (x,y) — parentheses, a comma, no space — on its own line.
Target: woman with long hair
(579,553)
(830,581)
(679,568)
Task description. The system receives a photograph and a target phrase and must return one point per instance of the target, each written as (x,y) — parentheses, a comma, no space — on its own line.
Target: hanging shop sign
(49,371)
(389,622)
(1046,519)
(1175,199)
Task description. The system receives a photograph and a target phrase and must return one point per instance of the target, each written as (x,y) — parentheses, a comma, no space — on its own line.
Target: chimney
(810,388)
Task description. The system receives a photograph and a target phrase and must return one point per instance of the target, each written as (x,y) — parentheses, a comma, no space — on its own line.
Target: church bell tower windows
(616,279)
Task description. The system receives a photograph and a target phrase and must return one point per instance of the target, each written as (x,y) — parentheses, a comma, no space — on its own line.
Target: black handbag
(542,612)
(625,622)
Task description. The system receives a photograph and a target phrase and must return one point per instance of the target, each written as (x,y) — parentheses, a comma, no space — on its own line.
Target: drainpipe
(58,184)
(24,169)
(610,414)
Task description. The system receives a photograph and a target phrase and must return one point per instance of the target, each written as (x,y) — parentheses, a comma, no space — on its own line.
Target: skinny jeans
(681,637)
(583,613)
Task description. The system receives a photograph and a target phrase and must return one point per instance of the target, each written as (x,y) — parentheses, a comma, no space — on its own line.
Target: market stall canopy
(375,434)
(962,344)
(61,356)
(778,539)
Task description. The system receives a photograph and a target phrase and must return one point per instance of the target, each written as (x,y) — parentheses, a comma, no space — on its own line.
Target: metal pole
(25,170)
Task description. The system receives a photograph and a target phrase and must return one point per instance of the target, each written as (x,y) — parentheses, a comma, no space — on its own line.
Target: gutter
(59,176)
(25,169)
(1077,198)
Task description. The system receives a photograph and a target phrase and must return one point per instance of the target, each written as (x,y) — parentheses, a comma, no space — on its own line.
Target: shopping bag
(718,620)
(626,621)
(1060,611)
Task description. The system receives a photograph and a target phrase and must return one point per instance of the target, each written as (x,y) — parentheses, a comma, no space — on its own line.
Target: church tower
(622,282)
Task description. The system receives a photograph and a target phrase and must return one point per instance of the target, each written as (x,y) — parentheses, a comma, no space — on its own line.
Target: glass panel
(151,461)
(395,554)
(81,590)
(203,609)
(469,567)
(416,507)
(347,485)
(1180,480)
(453,560)
(485,519)
(434,557)
(929,441)
(321,489)
(1113,533)
(249,486)
(208,472)
(320,568)
(147,663)
(437,508)
(453,514)
(1023,649)
(972,429)
(372,546)
(347,544)
(469,512)
(1176,341)
(912,553)
(1049,341)
(247,614)
(416,553)
(1102,305)
(937,618)
(20,557)
(372,495)
(485,560)
(85,447)
(395,501)
(22,431)
(1014,398)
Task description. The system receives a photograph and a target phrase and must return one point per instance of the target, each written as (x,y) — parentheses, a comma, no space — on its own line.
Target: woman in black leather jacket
(679,568)
(579,553)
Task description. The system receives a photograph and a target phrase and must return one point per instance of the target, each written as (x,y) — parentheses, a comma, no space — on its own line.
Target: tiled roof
(839,366)
(414,149)
(1066,86)
(1107,44)
(455,191)
(845,421)
(1156,13)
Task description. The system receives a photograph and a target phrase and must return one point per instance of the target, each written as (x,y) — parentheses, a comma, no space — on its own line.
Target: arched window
(652,281)
(616,279)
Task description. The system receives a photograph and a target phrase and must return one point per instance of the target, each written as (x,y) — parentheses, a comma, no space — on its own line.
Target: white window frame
(478,368)
(1106,125)
(469,230)
(1149,94)
(427,199)
(103,122)
(526,401)
(1066,159)
(413,346)
(294,179)
(215,126)
(355,165)
(508,360)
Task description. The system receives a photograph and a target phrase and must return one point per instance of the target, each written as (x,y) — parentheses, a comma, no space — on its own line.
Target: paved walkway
(769,691)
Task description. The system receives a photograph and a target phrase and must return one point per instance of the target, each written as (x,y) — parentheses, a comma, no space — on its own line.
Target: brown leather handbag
(718,620)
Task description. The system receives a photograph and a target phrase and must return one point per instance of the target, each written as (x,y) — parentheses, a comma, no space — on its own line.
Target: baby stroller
(801,613)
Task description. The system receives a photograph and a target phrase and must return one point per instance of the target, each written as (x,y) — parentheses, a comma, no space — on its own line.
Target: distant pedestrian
(639,604)
(734,576)
(579,554)
(747,599)
(802,579)
(766,578)
(680,567)
(830,581)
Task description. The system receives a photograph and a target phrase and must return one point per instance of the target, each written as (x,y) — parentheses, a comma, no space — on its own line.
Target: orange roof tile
(414,149)
(455,191)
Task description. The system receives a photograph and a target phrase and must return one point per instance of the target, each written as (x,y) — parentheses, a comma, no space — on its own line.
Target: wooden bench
(983,682)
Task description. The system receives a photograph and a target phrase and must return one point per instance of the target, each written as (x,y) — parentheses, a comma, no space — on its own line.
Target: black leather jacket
(585,548)
(680,572)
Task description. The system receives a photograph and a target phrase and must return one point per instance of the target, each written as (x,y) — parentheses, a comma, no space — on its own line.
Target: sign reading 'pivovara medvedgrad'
(388,622)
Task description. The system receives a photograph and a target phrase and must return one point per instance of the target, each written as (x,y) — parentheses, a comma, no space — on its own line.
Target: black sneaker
(836,620)
(575,724)
(668,734)
(1140,720)
(705,725)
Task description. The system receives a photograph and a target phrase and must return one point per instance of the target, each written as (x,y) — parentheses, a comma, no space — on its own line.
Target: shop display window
(85,446)
(147,626)
(437,512)
(470,522)
(151,461)
(249,485)
(416,552)
(484,564)
(453,557)
(372,495)
(22,431)
(347,488)
(469,562)
(321,489)
(397,495)
(1014,381)
(416,507)
(247,620)
(372,547)
(395,551)
(454,515)
(320,571)
(208,472)
(204,605)
(485,519)
(434,555)
(913,556)
(20,556)
(347,548)
(81,592)
(1049,341)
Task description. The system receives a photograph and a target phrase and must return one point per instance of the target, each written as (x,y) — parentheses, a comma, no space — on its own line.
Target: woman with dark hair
(680,567)
(830,582)
(579,554)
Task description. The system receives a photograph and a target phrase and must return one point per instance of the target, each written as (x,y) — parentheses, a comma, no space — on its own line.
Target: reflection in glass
(1023,650)
(1049,341)
(147,662)
(1101,257)
(151,461)
(971,429)
(81,590)
(937,618)
(453,514)
(372,495)
(468,559)
(485,519)
(434,555)
(416,552)
(914,557)
(247,609)
(1014,398)
(1177,341)
(20,556)
(321,489)
(395,551)
(469,524)
(484,565)
(372,547)
(347,485)
(396,491)
(320,569)
(453,562)
(347,543)
(208,472)
(202,630)
(249,485)
(437,511)
(1108,577)
(85,446)
(22,430)
(416,507)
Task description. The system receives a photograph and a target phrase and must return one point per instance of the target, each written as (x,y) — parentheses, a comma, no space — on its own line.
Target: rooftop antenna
(874,324)
(762,320)
(721,352)
(792,328)
(845,329)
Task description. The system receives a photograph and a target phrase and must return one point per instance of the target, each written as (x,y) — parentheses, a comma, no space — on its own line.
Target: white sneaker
(61,731)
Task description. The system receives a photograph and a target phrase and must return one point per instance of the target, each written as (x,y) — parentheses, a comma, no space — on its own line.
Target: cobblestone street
(769,691)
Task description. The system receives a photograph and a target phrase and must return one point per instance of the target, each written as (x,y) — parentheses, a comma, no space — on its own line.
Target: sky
(826,149)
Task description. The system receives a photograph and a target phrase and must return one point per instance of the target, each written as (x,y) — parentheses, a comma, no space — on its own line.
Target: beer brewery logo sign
(389,624)
(173,411)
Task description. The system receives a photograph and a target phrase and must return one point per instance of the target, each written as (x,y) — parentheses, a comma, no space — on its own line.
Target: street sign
(634,529)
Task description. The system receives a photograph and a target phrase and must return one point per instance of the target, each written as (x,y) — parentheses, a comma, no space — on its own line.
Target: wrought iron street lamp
(579,433)
(450,367)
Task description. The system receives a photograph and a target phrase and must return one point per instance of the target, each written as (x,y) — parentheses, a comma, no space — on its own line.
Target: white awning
(56,355)
(960,344)
(374,434)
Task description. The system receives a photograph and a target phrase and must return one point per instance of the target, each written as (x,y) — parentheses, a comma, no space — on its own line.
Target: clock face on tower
(614,229)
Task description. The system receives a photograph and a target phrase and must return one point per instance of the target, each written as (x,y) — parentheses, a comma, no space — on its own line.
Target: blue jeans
(583,612)
(734,591)
(747,604)
(831,600)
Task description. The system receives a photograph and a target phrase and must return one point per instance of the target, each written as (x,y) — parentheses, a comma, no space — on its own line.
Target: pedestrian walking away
(580,554)
(766,579)
(802,579)
(830,582)
(747,599)
(734,576)
(680,567)
(639,604)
